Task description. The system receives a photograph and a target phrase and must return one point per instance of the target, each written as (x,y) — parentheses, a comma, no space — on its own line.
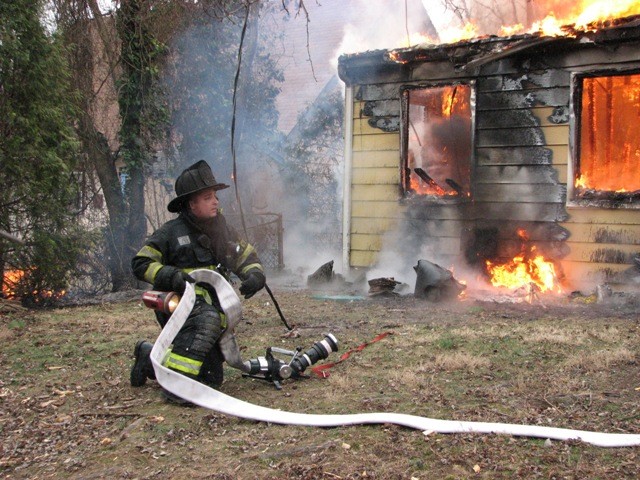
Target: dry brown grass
(67,410)
(600,360)
(554,335)
(455,361)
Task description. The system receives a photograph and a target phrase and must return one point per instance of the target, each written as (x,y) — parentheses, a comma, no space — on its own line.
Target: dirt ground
(67,409)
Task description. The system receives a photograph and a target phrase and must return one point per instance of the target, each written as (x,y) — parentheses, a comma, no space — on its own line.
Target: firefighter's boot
(142,367)
(212,373)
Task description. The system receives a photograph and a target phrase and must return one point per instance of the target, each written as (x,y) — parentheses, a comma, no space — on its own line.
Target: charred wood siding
(518,118)
(519,172)
(519,123)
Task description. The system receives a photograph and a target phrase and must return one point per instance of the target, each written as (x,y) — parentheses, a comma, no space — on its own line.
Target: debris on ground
(383,287)
(322,275)
(435,283)
(325,278)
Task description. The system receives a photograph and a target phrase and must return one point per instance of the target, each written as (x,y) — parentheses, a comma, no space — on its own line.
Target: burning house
(499,152)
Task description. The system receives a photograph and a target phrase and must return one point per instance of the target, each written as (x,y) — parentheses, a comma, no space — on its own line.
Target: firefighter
(198,238)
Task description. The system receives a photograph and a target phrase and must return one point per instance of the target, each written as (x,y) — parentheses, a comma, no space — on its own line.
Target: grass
(69,412)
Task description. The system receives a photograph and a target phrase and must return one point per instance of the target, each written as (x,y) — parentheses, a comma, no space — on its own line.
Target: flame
(597,11)
(525,269)
(508,30)
(422,188)
(582,181)
(562,19)
(395,56)
(452,35)
(440,128)
(11,286)
(609,145)
(583,15)
(452,103)
(10,282)
(523,234)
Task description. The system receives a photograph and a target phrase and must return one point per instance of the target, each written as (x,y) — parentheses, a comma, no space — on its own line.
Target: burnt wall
(521,125)
(524,134)
(520,117)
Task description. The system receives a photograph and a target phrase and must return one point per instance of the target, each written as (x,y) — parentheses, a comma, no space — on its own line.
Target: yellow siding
(602,216)
(381,141)
(357,109)
(375,208)
(560,154)
(597,234)
(543,114)
(369,209)
(586,275)
(562,173)
(377,159)
(376,176)
(361,258)
(593,232)
(589,252)
(373,225)
(556,134)
(361,127)
(360,241)
(375,192)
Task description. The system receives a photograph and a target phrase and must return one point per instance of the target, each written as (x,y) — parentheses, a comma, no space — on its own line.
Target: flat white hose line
(207,397)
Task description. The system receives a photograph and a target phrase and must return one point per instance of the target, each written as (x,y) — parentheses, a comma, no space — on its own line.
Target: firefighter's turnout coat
(187,243)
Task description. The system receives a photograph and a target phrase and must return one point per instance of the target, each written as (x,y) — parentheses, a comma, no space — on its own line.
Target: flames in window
(609,141)
(439,146)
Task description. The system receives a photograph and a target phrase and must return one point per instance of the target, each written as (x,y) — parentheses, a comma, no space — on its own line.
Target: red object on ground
(320,370)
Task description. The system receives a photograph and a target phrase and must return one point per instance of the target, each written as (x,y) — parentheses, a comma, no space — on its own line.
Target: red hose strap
(320,370)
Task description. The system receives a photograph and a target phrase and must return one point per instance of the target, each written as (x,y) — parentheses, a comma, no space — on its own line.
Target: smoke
(313,220)
(289,114)
(387,25)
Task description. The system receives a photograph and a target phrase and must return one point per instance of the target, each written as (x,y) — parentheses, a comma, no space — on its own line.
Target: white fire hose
(207,397)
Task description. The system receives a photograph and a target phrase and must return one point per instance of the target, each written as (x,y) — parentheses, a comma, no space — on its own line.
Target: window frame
(405,192)
(619,200)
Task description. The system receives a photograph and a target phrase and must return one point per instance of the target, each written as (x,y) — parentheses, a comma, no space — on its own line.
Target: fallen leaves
(89,421)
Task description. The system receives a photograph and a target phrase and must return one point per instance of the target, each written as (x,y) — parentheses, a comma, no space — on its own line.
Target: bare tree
(116,58)
(489,15)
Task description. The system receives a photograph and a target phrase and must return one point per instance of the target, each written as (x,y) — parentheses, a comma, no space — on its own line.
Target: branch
(11,238)
(303,7)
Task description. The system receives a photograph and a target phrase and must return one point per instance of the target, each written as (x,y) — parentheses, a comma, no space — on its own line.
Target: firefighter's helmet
(193,179)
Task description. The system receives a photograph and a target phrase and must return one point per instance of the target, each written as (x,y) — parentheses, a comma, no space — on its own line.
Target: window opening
(609,144)
(438,141)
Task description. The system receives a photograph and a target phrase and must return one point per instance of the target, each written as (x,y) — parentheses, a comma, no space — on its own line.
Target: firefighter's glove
(252,284)
(179,281)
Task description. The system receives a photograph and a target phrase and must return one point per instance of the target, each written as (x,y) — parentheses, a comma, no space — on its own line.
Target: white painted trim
(346,185)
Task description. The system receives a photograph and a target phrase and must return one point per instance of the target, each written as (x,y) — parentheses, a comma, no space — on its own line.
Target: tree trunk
(97,148)
(135,86)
